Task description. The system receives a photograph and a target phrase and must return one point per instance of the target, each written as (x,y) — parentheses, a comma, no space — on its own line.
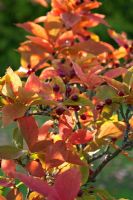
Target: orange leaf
(33,84)
(35,168)
(34,28)
(2,198)
(41,42)
(12,112)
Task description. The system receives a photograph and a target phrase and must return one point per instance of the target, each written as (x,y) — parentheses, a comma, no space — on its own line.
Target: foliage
(82,88)
(23,10)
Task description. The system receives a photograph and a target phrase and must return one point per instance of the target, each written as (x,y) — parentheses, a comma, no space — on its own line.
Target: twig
(108,158)
(97,156)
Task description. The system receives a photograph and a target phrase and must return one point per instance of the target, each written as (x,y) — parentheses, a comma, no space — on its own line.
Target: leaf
(68,189)
(35,168)
(35,140)
(10,152)
(66,125)
(49,72)
(112,129)
(12,112)
(17,138)
(34,28)
(14,194)
(53,25)
(56,154)
(81,136)
(41,42)
(6,182)
(35,184)
(120,39)
(70,19)
(35,196)
(41,2)
(13,79)
(113,73)
(103,194)
(90,46)
(2,197)
(82,101)
(105,92)
(29,130)
(115,84)
(5,166)
(33,84)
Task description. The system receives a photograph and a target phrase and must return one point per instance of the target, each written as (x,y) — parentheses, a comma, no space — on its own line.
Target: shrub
(82,89)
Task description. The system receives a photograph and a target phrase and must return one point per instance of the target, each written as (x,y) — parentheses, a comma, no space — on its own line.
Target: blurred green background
(118,175)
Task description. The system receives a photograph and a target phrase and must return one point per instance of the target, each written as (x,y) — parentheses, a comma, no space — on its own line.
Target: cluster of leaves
(82,88)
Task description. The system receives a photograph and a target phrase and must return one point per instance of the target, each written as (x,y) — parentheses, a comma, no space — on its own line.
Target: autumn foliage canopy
(82,90)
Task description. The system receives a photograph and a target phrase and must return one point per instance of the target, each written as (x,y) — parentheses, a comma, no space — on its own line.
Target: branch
(108,158)
(97,156)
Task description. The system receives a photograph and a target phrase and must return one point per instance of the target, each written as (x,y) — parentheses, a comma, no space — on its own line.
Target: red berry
(72,73)
(56,88)
(100,106)
(68,90)
(60,111)
(75,97)
(108,101)
(30,71)
(76,108)
(83,117)
(121,93)
(61,73)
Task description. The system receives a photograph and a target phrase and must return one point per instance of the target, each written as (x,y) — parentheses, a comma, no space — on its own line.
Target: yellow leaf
(111,129)
(13,79)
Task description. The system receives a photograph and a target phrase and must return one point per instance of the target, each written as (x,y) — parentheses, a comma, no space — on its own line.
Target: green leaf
(104,194)
(82,101)
(10,152)
(105,92)
(17,138)
(87,196)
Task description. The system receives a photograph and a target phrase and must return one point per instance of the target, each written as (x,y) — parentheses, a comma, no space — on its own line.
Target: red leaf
(33,84)
(5,166)
(35,184)
(113,73)
(67,184)
(12,112)
(29,129)
(70,19)
(57,154)
(35,168)
(65,126)
(49,72)
(81,136)
(41,42)
(35,139)
(44,130)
